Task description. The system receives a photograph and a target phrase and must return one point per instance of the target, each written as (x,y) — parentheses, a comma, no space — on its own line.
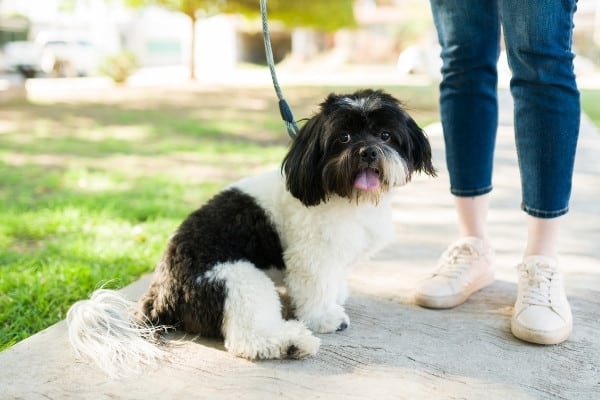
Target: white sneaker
(542,313)
(464,268)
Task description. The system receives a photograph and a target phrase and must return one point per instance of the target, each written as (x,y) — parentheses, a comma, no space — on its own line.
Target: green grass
(590,102)
(90,190)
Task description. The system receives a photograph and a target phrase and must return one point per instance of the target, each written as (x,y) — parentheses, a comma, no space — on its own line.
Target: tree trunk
(192,63)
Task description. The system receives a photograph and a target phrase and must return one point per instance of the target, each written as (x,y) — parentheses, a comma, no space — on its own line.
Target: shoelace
(456,260)
(539,281)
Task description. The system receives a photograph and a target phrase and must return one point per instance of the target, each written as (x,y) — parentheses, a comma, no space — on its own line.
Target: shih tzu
(327,208)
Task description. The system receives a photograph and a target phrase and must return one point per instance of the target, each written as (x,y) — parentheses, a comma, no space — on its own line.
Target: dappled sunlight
(108,239)
(188,168)
(124,133)
(7,126)
(191,134)
(93,181)
(45,160)
(141,115)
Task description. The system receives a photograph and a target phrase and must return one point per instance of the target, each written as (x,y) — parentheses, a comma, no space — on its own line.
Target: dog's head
(358,146)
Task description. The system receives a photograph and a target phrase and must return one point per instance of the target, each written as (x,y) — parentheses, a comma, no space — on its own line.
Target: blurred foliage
(66,5)
(119,66)
(327,15)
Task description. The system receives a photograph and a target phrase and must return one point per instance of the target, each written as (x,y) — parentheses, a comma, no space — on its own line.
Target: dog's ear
(420,149)
(304,162)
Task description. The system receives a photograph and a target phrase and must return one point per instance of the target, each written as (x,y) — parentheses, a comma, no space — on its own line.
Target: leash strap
(284,107)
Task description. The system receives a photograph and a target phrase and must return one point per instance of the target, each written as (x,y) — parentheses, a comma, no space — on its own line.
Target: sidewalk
(393,348)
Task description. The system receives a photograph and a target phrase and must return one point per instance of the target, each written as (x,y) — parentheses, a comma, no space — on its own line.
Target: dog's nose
(369,154)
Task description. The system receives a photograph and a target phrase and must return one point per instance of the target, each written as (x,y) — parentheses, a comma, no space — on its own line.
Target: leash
(284,107)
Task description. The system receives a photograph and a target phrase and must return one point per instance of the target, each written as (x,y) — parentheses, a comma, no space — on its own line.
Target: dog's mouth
(367,179)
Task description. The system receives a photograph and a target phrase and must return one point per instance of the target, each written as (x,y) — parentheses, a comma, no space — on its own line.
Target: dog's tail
(104,330)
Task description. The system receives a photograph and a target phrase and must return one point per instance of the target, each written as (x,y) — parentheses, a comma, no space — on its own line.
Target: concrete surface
(393,349)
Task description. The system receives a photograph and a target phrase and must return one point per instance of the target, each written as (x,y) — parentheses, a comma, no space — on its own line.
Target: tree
(327,16)
(190,8)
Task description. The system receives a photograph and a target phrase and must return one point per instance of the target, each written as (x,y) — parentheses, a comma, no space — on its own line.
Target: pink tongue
(367,180)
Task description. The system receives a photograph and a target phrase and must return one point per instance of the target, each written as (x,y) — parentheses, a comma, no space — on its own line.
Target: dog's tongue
(367,180)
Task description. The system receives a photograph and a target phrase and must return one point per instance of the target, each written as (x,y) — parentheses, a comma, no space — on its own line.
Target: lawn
(93,183)
(590,102)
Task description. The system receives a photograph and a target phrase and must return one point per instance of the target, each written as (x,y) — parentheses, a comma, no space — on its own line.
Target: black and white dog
(327,208)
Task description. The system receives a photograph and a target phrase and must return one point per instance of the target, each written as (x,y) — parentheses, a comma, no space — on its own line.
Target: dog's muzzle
(368,177)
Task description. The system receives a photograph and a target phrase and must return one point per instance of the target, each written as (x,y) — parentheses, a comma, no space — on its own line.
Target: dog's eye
(344,138)
(385,136)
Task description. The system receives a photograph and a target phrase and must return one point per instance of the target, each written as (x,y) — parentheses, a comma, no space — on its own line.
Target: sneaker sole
(540,337)
(438,302)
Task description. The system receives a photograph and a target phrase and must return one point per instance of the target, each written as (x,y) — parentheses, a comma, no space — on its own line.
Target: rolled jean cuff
(534,212)
(470,192)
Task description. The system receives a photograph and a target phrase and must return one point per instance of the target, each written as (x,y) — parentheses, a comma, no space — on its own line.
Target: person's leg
(542,236)
(469,34)
(538,37)
(472,215)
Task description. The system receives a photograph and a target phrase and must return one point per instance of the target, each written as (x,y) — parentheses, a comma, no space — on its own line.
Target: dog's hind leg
(252,324)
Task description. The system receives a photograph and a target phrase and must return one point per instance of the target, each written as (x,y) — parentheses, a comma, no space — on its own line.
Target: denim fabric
(538,38)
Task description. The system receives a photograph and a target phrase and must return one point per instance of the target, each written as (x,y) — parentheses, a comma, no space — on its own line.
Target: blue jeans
(538,39)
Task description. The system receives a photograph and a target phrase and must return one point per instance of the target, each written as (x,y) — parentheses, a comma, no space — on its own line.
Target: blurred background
(212,40)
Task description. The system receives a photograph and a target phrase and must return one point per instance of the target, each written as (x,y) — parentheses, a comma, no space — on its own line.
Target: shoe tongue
(367,180)
(540,270)
(540,265)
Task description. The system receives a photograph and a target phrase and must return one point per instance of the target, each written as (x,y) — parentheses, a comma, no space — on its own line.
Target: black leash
(284,108)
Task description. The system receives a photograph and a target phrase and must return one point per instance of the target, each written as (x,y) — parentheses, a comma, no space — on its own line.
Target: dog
(325,209)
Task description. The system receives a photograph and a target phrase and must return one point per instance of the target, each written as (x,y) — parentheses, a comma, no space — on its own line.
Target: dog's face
(357,147)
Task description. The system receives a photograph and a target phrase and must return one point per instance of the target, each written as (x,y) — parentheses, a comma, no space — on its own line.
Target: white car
(23,57)
(58,57)
(69,58)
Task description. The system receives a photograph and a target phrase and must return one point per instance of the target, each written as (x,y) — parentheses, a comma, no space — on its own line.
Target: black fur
(230,227)
(313,174)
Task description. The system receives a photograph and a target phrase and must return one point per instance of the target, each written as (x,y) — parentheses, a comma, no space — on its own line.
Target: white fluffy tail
(103,330)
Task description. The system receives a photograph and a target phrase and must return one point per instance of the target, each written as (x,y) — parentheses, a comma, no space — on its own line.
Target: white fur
(101,329)
(321,244)
(396,169)
(252,324)
(366,103)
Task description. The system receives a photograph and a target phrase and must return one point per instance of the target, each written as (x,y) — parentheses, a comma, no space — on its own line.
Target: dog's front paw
(334,319)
